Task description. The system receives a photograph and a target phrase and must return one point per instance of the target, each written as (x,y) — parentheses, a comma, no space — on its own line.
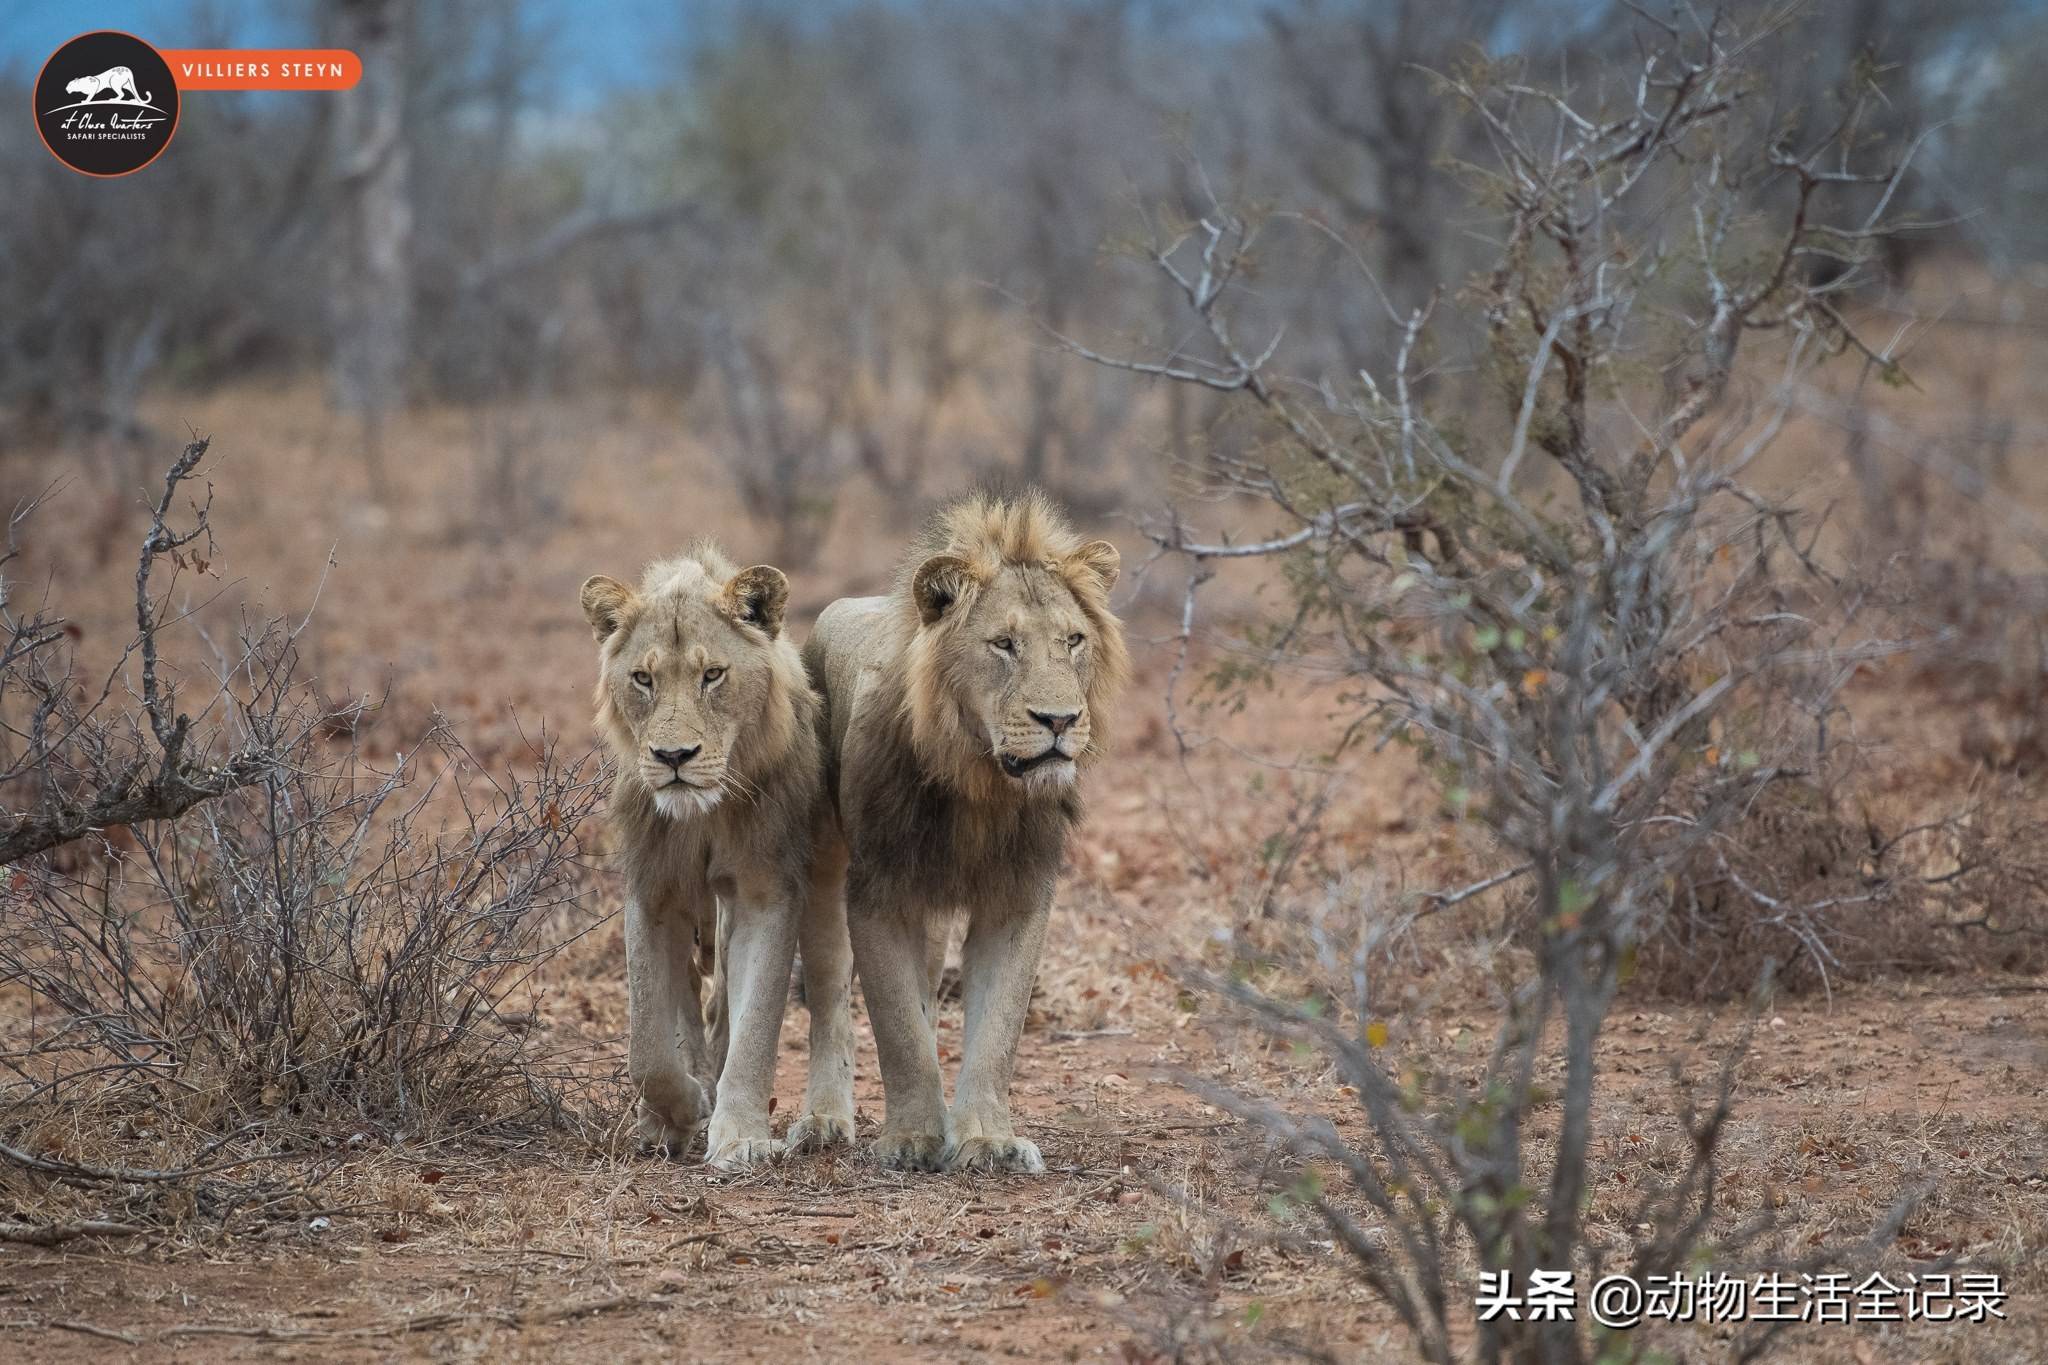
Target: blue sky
(600,45)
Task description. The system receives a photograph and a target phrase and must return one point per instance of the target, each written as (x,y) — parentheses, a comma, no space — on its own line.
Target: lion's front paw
(911,1151)
(739,1144)
(817,1132)
(738,1155)
(658,1137)
(671,1114)
(1011,1153)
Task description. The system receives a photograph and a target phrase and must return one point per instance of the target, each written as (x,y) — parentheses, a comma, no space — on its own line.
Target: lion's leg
(827,1120)
(998,964)
(760,948)
(888,948)
(662,1007)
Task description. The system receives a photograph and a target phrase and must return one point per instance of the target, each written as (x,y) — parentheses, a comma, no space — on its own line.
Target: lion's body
(715,843)
(958,711)
(946,848)
(118,79)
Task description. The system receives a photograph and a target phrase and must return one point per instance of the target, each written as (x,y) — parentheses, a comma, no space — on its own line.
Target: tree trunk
(371,286)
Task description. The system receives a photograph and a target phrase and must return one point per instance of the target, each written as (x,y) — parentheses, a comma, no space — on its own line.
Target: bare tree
(370,289)
(1571,670)
(1361,76)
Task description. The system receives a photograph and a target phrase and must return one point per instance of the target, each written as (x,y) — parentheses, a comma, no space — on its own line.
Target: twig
(72,1170)
(110,1334)
(1444,900)
(54,1234)
(424,1322)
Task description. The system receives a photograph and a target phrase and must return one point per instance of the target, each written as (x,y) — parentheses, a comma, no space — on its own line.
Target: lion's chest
(726,856)
(915,844)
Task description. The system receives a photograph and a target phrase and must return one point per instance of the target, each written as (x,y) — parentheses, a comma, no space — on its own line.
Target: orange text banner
(252,68)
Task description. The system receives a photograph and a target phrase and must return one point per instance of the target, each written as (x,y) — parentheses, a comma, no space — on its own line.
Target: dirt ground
(1149,1229)
(538,1256)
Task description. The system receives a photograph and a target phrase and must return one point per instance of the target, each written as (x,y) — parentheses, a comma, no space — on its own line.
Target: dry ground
(539,1255)
(458,593)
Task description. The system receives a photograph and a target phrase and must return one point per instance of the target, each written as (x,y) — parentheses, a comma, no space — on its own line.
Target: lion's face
(84,85)
(1022,657)
(686,672)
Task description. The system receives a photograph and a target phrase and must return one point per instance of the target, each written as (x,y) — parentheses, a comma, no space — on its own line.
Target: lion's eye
(712,675)
(1005,644)
(1074,640)
(643,678)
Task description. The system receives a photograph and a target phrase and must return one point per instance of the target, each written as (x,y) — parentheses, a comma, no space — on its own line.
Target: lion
(118,79)
(960,710)
(704,701)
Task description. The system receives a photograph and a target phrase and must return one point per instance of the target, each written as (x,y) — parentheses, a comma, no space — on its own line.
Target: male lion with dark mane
(959,711)
(704,700)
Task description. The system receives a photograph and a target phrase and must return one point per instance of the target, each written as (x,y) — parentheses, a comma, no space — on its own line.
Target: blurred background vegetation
(833,230)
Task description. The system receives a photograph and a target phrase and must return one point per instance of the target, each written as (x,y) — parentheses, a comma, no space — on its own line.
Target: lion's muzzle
(682,787)
(1066,741)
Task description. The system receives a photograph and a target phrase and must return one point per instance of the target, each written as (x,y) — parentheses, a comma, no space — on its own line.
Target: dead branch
(91,772)
(423,1322)
(56,1234)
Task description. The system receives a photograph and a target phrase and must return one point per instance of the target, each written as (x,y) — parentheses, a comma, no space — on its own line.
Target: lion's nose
(1056,721)
(675,758)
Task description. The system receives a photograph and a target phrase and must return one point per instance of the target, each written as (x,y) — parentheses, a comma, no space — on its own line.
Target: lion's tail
(716,1015)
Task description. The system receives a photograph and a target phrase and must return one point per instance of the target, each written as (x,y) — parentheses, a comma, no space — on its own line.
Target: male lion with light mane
(705,702)
(959,710)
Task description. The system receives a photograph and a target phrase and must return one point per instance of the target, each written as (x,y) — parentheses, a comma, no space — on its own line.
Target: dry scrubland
(1153,1237)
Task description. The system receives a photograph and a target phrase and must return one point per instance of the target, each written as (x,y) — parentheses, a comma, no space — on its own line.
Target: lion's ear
(605,603)
(756,597)
(938,583)
(1100,558)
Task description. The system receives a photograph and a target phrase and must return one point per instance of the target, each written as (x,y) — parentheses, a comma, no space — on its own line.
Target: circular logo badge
(105,104)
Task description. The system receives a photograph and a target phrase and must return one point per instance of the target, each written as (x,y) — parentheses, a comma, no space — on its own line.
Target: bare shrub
(240,938)
(80,755)
(337,938)
(1605,646)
